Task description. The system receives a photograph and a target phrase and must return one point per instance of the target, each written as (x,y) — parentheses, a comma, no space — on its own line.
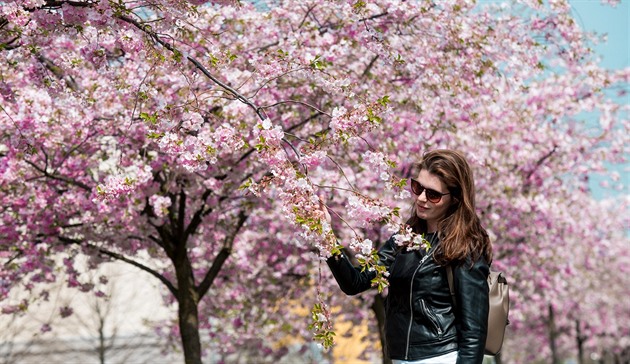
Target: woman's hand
(324,210)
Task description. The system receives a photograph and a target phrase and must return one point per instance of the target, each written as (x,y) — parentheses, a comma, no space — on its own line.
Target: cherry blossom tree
(194,140)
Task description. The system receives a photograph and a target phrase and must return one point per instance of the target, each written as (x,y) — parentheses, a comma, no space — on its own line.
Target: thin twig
(197,64)
(340,218)
(342,172)
(296,102)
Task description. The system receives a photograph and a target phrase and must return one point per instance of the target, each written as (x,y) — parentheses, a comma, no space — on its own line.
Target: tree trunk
(188,299)
(552,336)
(189,329)
(378,306)
(580,342)
(101,340)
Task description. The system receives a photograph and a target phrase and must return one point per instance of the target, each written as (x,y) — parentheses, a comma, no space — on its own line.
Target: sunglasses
(432,195)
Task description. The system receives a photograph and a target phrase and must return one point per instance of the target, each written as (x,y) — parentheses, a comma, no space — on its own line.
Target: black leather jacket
(420,319)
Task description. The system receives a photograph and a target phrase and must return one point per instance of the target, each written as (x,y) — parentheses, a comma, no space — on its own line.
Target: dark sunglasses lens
(433,196)
(416,188)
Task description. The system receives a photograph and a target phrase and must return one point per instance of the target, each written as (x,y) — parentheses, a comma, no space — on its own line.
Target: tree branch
(305,121)
(196,219)
(60,178)
(58,4)
(8,45)
(167,239)
(197,64)
(297,102)
(181,216)
(122,258)
(369,66)
(76,147)
(225,252)
(541,161)
(58,72)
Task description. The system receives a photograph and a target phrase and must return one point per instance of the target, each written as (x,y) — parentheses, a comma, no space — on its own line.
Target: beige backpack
(498,311)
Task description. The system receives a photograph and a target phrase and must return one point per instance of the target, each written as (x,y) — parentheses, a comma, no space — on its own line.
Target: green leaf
(230,56)
(177,56)
(373,118)
(150,118)
(359,5)
(319,64)
(214,61)
(402,183)
(384,100)
(246,184)
(336,249)
(282,54)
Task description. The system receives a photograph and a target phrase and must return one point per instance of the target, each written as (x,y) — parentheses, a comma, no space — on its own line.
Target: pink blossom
(160,204)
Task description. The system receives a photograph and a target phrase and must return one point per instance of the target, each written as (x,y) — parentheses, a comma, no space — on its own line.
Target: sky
(592,15)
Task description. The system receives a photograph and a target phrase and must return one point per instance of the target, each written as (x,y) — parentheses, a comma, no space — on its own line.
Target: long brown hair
(460,231)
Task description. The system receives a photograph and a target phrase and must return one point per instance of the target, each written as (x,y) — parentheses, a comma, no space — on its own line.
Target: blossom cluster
(367,210)
(410,240)
(116,186)
(160,205)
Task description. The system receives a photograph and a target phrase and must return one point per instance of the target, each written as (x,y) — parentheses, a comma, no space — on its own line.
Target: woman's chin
(421,213)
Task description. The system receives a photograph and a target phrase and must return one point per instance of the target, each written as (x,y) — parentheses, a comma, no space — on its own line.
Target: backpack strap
(451,285)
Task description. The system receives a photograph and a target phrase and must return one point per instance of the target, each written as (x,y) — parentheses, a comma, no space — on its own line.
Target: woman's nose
(422,197)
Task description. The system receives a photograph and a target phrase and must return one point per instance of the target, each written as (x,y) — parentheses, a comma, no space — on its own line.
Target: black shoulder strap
(451,285)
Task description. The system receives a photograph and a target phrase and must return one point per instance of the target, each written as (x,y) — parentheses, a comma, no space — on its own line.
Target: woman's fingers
(324,209)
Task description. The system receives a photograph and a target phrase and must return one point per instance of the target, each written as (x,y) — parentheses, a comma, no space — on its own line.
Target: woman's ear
(455,202)
(455,196)
(453,206)
(454,199)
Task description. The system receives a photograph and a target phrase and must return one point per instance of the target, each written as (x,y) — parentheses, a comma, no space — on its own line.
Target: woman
(422,324)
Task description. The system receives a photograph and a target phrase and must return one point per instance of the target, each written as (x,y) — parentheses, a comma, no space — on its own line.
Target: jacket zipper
(413,276)
(432,318)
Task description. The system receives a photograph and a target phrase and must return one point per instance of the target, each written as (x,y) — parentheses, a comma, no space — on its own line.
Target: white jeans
(450,358)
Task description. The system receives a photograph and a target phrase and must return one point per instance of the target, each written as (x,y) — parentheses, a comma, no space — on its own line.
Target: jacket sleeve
(471,294)
(350,278)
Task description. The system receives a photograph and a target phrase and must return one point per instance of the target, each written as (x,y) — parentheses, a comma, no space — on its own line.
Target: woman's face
(432,212)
